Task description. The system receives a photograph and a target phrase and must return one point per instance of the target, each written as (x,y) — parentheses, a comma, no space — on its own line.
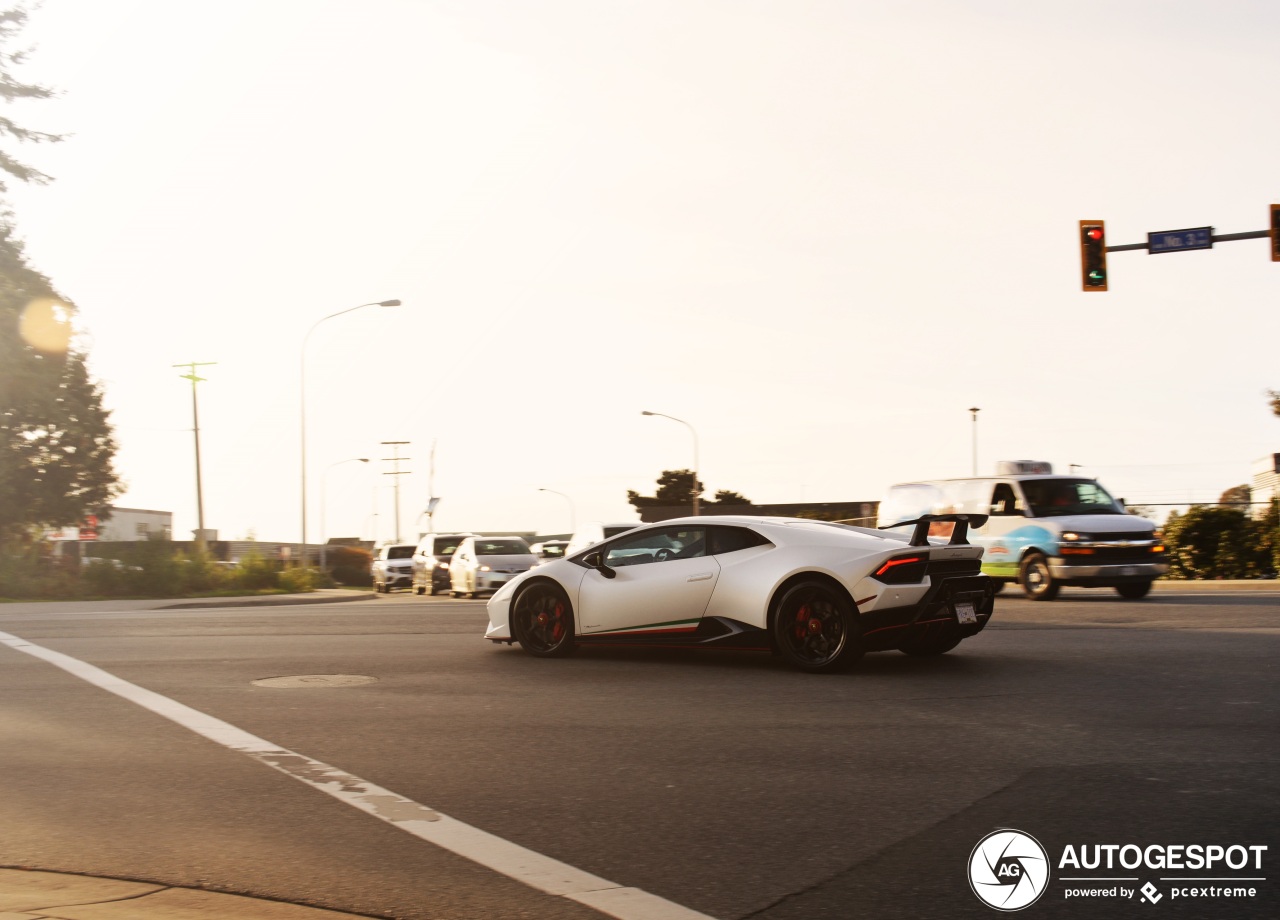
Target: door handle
(702,577)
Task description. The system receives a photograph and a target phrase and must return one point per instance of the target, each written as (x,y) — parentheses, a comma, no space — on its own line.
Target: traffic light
(1275,233)
(1093,255)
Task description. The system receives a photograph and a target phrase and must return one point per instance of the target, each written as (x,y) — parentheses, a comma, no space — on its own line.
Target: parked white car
(393,567)
(482,565)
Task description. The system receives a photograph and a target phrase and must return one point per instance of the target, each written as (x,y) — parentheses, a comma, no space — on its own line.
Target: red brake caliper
(802,622)
(558,630)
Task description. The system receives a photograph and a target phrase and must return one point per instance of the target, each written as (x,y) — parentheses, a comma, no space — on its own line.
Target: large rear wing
(920,536)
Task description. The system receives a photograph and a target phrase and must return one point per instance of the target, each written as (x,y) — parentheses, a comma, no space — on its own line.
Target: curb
(33,894)
(268,600)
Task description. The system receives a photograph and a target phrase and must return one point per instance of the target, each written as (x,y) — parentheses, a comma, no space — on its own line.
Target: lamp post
(324,495)
(695,452)
(573,514)
(973,411)
(201,544)
(302,406)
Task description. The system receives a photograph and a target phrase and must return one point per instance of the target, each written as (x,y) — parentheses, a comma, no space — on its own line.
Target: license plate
(965,612)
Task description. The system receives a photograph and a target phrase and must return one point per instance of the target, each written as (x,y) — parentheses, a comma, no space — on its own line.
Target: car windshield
(448,547)
(400,552)
(502,548)
(1058,497)
(553,549)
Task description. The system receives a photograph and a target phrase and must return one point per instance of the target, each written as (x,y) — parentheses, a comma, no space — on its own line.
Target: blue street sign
(1180,240)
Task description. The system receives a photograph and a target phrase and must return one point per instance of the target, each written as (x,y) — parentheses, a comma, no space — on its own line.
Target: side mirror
(596,561)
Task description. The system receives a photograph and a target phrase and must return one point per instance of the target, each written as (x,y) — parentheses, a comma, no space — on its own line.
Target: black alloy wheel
(542,620)
(1036,580)
(816,628)
(1134,590)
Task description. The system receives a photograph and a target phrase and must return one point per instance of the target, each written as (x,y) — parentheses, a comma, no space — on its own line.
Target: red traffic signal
(1093,255)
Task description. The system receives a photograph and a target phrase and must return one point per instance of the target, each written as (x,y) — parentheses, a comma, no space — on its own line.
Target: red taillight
(892,562)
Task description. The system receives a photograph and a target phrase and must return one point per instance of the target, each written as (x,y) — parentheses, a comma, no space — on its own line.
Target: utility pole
(397,472)
(195,427)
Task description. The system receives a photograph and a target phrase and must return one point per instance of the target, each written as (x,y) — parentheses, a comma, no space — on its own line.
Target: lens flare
(45,325)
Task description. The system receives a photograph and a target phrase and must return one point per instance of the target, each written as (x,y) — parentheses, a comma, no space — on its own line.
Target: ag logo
(1008,870)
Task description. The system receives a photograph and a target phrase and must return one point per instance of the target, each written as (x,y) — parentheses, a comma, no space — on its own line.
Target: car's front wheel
(542,620)
(1037,581)
(816,628)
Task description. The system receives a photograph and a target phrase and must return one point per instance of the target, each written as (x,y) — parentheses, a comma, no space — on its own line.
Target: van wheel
(1036,579)
(1134,590)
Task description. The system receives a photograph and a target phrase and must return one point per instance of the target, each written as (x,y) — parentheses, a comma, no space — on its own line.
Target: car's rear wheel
(816,628)
(542,620)
(1134,590)
(1036,579)
(419,590)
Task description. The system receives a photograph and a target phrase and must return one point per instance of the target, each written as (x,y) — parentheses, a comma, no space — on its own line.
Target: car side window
(660,545)
(725,539)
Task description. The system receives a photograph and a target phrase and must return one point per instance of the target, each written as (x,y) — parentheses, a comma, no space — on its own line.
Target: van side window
(1004,502)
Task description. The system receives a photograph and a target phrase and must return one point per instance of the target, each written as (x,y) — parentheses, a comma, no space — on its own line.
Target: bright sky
(816,231)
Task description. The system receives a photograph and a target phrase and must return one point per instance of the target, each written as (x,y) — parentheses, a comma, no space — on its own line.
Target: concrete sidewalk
(30,894)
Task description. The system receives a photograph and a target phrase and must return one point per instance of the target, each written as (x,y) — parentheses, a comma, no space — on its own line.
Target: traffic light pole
(1215,238)
(1094,248)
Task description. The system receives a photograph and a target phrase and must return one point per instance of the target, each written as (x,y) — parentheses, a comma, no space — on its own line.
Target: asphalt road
(724,782)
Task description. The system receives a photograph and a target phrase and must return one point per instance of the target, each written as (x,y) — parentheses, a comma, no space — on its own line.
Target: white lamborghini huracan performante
(817,593)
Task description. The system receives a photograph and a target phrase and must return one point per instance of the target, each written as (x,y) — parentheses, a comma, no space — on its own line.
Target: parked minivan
(431,561)
(485,564)
(1044,530)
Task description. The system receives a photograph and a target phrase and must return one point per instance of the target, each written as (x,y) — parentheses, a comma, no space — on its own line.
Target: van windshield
(1058,497)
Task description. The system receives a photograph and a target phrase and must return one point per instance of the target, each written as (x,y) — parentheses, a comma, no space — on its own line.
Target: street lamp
(302,405)
(973,411)
(573,515)
(695,452)
(324,495)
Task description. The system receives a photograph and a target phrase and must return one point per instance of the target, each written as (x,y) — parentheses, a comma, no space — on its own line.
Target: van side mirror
(596,561)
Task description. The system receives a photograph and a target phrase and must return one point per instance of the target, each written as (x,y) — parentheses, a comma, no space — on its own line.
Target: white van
(1044,530)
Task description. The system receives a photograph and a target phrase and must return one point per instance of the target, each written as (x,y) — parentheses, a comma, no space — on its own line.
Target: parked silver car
(485,564)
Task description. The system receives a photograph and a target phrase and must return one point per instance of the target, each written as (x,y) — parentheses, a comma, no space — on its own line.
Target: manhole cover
(314,680)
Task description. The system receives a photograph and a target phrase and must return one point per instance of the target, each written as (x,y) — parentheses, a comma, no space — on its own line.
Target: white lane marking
(512,860)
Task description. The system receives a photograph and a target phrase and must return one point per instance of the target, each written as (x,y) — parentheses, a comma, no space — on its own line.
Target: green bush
(1218,542)
(296,580)
(255,573)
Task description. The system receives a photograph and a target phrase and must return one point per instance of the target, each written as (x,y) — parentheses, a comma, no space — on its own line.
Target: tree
(1238,496)
(56,446)
(1274,396)
(675,487)
(11,89)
